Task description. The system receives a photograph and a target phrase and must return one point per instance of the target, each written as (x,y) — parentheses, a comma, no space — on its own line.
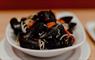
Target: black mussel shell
(65,42)
(36,18)
(28,42)
(71,27)
(46,16)
(15,25)
(23,18)
(67,19)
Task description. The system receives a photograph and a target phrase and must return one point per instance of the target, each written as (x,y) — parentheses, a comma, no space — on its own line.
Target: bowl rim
(51,50)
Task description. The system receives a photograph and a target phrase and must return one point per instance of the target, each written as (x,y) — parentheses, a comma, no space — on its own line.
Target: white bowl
(79,34)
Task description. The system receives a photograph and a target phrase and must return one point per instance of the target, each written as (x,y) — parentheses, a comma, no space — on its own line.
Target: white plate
(90,26)
(7,52)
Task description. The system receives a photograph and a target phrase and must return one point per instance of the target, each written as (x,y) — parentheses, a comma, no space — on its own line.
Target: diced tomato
(50,24)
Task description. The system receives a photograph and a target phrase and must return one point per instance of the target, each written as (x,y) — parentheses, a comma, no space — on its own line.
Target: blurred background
(45,4)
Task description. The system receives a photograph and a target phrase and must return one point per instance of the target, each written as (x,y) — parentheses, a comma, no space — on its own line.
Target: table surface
(85,15)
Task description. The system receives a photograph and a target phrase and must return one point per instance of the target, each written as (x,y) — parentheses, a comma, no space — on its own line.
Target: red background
(45,4)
